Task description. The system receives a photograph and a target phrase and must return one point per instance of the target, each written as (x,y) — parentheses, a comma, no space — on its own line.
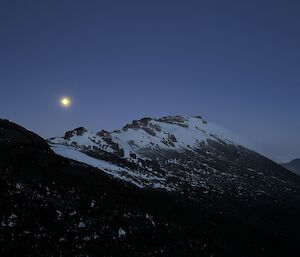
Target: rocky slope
(211,197)
(51,206)
(293,166)
(181,154)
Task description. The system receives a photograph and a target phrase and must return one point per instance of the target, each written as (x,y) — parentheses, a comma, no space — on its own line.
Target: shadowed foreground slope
(52,206)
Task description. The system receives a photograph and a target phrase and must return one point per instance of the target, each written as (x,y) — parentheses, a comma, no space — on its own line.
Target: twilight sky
(236,63)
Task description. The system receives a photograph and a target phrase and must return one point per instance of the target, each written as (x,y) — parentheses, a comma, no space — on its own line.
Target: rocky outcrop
(75,132)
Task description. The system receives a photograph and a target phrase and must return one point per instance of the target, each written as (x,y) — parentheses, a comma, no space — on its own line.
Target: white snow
(196,132)
(121,232)
(81,224)
(93,202)
(109,168)
(190,132)
(19,186)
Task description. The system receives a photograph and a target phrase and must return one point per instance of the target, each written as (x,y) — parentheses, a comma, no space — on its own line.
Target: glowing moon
(65,101)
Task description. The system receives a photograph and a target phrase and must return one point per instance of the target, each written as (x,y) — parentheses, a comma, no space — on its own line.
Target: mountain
(293,166)
(181,154)
(175,186)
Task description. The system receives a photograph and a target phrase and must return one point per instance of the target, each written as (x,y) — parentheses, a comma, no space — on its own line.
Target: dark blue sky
(237,63)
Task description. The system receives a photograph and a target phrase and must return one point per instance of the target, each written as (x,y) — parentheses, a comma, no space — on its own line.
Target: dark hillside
(52,206)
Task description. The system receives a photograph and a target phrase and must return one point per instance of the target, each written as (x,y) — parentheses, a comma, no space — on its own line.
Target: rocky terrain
(187,155)
(175,186)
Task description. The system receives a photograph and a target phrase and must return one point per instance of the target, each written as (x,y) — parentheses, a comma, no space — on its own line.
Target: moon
(65,101)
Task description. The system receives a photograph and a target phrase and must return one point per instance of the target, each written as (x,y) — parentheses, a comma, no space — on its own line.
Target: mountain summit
(187,155)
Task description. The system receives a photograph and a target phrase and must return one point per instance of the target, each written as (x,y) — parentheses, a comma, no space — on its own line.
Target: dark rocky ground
(51,206)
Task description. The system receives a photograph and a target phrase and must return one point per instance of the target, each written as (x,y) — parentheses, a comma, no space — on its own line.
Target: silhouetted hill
(293,166)
(53,206)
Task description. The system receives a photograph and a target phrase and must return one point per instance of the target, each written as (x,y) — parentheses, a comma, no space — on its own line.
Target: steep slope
(52,206)
(293,166)
(12,134)
(182,154)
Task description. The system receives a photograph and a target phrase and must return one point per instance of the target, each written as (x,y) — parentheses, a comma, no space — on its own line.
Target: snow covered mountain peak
(146,134)
(185,154)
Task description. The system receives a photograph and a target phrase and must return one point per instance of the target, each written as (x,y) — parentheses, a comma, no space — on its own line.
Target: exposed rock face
(103,133)
(175,120)
(144,125)
(75,132)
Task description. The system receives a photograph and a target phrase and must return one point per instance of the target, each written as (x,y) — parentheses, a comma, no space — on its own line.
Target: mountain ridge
(53,206)
(177,153)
